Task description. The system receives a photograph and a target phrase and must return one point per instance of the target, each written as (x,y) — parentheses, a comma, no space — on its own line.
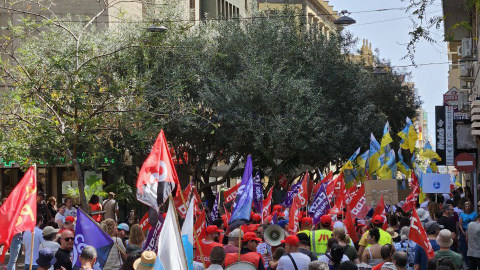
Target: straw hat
(444,238)
(392,232)
(146,262)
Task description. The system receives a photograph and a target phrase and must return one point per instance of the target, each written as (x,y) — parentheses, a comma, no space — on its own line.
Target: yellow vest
(319,239)
(306,231)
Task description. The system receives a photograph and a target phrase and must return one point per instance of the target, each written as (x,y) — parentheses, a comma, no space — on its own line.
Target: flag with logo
(171,254)
(19,212)
(429,153)
(200,225)
(157,178)
(409,136)
(257,193)
(179,203)
(320,205)
(243,202)
(401,165)
(349,226)
(187,235)
(293,216)
(291,194)
(380,210)
(267,204)
(151,243)
(231,193)
(358,204)
(419,236)
(87,232)
(389,168)
(303,191)
(373,155)
(214,212)
(386,139)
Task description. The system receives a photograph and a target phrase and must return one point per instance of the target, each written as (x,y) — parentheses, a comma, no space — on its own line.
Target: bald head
(66,240)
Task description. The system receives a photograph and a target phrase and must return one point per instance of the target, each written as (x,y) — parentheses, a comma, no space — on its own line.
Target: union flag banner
(419,236)
(197,200)
(380,210)
(229,195)
(358,204)
(267,204)
(293,216)
(19,212)
(348,222)
(303,191)
(157,178)
(144,225)
(201,225)
(181,208)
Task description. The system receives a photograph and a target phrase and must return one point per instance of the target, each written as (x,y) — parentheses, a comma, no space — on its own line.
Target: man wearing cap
(445,241)
(50,237)
(122,232)
(68,224)
(293,259)
(263,248)
(319,238)
(306,225)
(46,258)
(432,229)
(304,246)
(248,252)
(385,237)
(110,207)
(208,244)
(232,246)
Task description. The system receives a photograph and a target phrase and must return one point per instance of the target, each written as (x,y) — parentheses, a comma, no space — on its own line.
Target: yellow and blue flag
(349,170)
(349,164)
(402,166)
(373,155)
(429,153)
(389,169)
(386,139)
(409,136)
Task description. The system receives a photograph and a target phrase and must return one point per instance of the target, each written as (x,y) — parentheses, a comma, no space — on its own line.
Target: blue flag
(243,202)
(257,193)
(87,232)
(320,204)
(214,212)
(287,202)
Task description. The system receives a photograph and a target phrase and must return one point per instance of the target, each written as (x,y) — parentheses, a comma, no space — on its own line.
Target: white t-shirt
(27,241)
(61,217)
(71,213)
(301,260)
(325,259)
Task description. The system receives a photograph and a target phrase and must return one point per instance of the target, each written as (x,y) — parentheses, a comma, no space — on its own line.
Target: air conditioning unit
(467,47)
(463,95)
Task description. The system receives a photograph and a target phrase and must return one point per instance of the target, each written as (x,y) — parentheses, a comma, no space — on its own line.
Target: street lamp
(344,20)
(154,28)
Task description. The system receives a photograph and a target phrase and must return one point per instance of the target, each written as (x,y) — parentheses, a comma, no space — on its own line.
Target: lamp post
(155,28)
(344,20)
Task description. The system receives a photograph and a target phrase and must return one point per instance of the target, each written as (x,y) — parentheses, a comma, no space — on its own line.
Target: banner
(152,237)
(319,206)
(435,183)
(144,225)
(303,191)
(201,225)
(267,204)
(358,204)
(229,195)
(419,236)
(293,216)
(181,208)
(291,194)
(257,193)
(243,202)
(380,210)
(214,212)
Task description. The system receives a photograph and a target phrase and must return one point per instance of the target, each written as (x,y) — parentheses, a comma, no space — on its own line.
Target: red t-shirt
(206,250)
(96,207)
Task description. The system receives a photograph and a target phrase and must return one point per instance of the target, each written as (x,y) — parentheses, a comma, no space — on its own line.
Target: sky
(388,31)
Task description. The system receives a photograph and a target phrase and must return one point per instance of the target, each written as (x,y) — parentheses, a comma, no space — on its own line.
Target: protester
(306,225)
(132,218)
(88,257)
(217,259)
(344,241)
(60,216)
(400,260)
(388,266)
(27,243)
(279,252)
(320,237)
(387,252)
(70,210)
(444,240)
(406,245)
(123,232)
(446,221)
(335,254)
(69,224)
(293,255)
(15,248)
(63,253)
(473,237)
(232,246)
(372,255)
(432,230)
(146,261)
(131,258)
(348,265)
(209,243)
(385,238)
(110,207)
(136,236)
(318,265)
(465,218)
(95,206)
(304,246)
(51,208)
(50,237)
(263,248)
(41,205)
(117,254)
(248,252)
(46,259)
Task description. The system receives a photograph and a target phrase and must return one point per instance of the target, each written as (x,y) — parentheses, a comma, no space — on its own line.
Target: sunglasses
(68,239)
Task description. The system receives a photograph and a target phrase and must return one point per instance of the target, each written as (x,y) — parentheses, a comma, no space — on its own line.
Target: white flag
(187,234)
(171,254)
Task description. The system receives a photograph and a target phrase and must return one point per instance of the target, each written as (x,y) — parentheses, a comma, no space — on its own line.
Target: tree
(71,90)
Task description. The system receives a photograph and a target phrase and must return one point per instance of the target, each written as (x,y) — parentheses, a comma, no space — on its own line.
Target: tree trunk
(81,182)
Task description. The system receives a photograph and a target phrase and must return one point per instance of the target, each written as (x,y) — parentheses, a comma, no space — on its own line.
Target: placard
(435,183)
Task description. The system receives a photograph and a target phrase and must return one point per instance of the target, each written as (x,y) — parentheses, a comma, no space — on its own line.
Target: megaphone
(273,235)
(241,266)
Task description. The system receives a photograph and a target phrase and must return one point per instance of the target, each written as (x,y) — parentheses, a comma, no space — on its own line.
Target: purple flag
(320,204)
(214,212)
(243,202)
(287,202)
(257,193)
(152,239)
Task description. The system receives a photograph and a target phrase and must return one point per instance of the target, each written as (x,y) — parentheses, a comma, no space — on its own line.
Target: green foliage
(95,188)
(123,193)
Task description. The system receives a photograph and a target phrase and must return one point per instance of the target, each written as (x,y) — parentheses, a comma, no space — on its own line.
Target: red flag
(230,194)
(358,204)
(144,225)
(293,216)
(419,236)
(351,192)
(411,199)
(157,178)
(415,182)
(283,181)
(348,222)
(181,208)
(336,187)
(19,212)
(303,191)
(197,200)
(267,204)
(327,178)
(380,210)
(200,226)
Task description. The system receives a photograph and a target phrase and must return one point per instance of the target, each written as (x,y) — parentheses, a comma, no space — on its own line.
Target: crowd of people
(451,225)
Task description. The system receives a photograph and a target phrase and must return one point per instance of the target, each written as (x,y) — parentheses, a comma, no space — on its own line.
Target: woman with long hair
(344,241)
(136,237)
(465,218)
(95,206)
(335,254)
(117,254)
(52,208)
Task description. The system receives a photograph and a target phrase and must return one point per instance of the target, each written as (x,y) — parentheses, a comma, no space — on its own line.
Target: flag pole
(194,231)
(33,231)
(170,200)
(239,243)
